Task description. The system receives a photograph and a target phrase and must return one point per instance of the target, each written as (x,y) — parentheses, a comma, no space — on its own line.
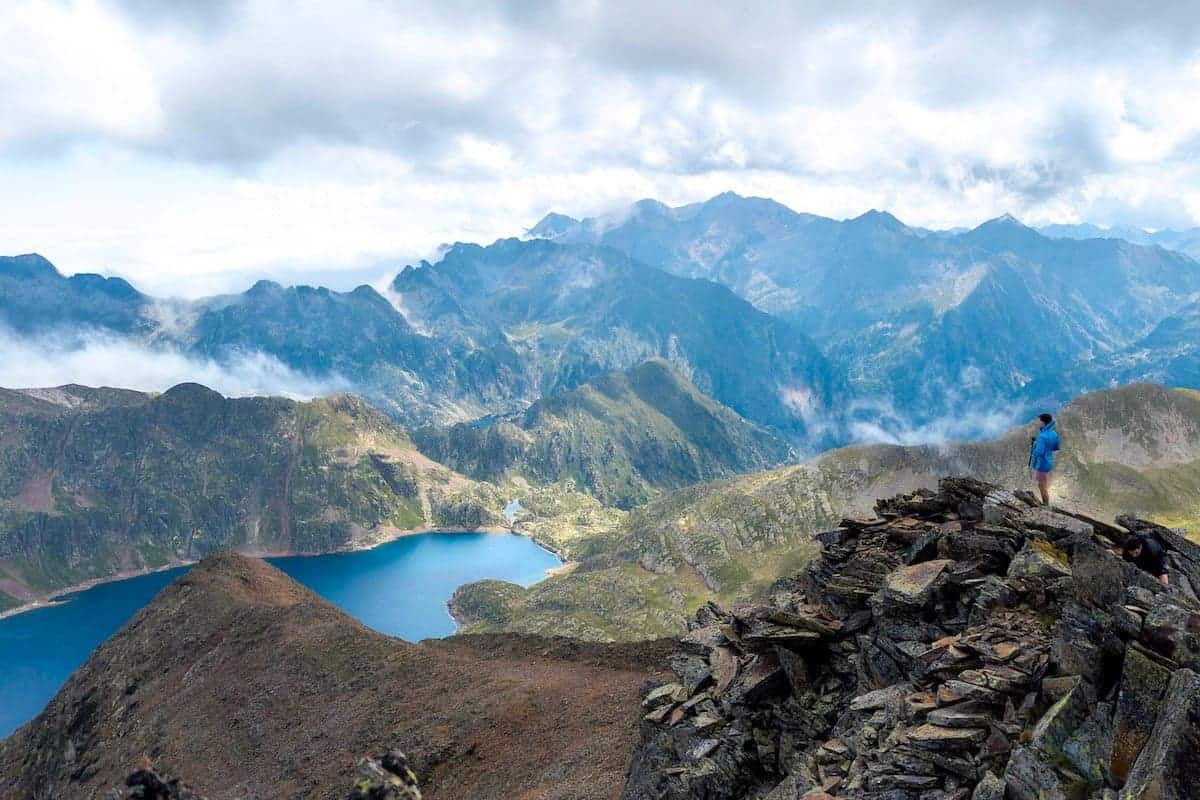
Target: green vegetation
(93,483)
(621,438)
(1135,449)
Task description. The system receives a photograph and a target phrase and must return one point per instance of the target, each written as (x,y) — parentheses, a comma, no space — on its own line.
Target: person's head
(1046,419)
(1133,547)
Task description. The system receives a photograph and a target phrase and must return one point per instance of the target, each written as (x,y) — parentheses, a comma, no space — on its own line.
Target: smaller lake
(400,588)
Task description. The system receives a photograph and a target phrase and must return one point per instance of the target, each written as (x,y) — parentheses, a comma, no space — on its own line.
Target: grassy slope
(621,438)
(1131,449)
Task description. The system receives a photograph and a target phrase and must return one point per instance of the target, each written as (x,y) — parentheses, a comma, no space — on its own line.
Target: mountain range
(822,331)
(990,315)
(100,482)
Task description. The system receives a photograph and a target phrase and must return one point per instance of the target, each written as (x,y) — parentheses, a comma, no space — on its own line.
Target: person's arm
(1164,580)
(1039,450)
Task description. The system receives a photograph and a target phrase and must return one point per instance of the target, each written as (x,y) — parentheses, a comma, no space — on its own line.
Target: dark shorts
(1042,477)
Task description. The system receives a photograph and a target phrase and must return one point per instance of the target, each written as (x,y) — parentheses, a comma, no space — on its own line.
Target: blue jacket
(1044,448)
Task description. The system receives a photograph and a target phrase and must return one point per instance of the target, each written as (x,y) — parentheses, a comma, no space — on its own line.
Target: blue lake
(399,588)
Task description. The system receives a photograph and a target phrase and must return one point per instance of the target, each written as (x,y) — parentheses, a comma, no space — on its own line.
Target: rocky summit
(962,644)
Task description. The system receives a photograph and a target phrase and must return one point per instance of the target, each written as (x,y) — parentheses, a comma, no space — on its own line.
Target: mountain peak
(29,265)
(265,286)
(1004,221)
(880,219)
(552,226)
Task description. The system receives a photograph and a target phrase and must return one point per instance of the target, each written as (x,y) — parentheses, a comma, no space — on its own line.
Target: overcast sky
(197,144)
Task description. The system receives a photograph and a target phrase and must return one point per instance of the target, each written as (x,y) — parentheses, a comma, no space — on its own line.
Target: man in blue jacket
(1041,455)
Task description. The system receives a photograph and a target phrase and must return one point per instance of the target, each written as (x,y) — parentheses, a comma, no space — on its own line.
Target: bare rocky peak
(963,643)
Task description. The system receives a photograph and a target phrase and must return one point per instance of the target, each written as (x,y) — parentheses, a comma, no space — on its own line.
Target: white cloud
(170,142)
(102,360)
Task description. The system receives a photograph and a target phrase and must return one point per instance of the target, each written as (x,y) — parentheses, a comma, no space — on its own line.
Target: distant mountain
(35,297)
(1185,241)
(574,312)
(814,328)
(621,437)
(1134,449)
(486,330)
(97,482)
(924,324)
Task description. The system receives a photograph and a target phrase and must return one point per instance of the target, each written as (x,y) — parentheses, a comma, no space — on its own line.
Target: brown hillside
(249,686)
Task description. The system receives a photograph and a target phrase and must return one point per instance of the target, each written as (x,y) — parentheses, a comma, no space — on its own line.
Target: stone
(706,720)
(954,691)
(880,698)
(990,787)
(1173,631)
(1127,621)
(701,641)
(1057,526)
(760,680)
(935,737)
(1143,685)
(386,778)
(913,585)
(723,662)
(1169,765)
(1061,719)
(660,714)
(962,715)
(1088,747)
(661,695)
(1039,559)
(1027,777)
(691,669)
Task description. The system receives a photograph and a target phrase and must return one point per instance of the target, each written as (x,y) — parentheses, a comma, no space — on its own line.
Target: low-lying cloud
(103,360)
(879,422)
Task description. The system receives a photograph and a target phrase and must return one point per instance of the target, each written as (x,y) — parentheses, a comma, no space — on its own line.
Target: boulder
(385,778)
(1143,685)
(1168,767)
(1174,632)
(1039,559)
(989,787)
(1028,777)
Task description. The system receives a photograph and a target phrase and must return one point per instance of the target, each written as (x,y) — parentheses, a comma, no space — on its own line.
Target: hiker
(1148,554)
(1041,455)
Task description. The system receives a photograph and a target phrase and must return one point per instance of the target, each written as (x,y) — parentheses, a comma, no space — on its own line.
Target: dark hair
(1133,543)
(1046,419)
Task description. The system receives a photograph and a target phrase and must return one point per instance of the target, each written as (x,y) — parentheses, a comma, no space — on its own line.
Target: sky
(197,145)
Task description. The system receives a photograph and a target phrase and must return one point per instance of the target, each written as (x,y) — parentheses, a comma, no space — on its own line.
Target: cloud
(238,135)
(876,421)
(96,359)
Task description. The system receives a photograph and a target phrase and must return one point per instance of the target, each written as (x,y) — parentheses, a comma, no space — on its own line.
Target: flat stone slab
(935,737)
(912,585)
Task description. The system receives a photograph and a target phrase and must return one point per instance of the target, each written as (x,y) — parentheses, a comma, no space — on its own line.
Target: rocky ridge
(961,644)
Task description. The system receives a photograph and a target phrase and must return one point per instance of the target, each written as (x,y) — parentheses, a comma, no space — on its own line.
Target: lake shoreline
(58,595)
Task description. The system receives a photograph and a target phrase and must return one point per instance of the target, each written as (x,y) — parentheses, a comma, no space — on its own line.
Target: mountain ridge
(99,482)
(248,684)
(1135,449)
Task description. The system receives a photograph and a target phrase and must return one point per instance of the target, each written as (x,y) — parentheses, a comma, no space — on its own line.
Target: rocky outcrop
(145,783)
(963,644)
(387,777)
